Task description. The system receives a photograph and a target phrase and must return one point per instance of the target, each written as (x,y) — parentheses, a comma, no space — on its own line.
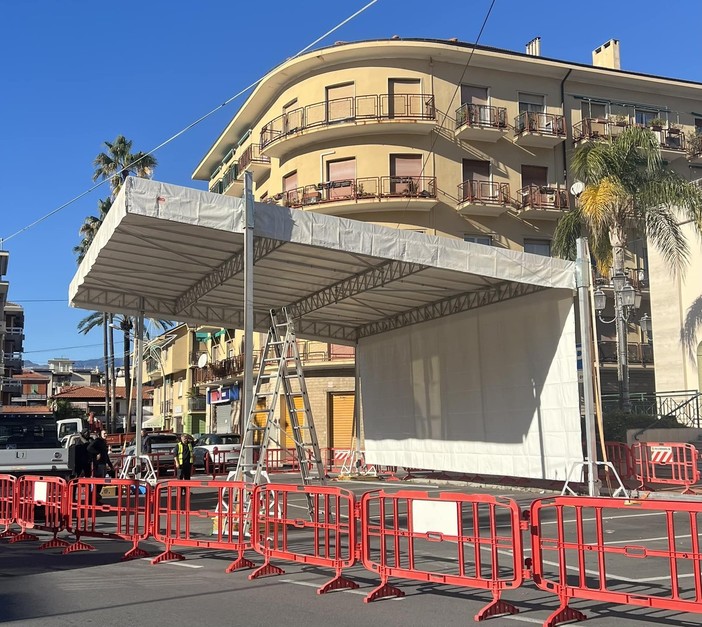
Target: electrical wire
(202,118)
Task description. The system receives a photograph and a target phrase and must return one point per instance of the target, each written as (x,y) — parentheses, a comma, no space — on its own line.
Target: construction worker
(184,456)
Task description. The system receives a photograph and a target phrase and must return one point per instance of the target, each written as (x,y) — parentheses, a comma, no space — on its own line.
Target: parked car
(229,443)
(161,445)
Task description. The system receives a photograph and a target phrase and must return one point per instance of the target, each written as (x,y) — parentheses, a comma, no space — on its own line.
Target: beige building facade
(466,142)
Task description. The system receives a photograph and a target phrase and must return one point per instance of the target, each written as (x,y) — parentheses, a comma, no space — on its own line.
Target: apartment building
(11,338)
(467,142)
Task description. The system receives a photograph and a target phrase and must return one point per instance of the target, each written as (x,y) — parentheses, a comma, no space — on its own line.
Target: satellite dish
(577,188)
(202,360)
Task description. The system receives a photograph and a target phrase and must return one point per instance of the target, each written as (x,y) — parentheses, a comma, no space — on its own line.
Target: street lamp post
(626,300)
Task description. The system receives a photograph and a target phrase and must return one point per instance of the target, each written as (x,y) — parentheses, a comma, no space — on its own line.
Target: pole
(247,399)
(622,353)
(356,406)
(582,275)
(139,383)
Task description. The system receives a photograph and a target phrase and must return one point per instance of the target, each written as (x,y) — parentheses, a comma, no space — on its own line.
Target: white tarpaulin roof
(181,251)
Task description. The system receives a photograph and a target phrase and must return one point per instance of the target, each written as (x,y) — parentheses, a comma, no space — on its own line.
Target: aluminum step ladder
(280,369)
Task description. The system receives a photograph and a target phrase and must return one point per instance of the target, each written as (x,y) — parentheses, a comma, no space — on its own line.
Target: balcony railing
(351,109)
(670,138)
(252,155)
(544,123)
(636,277)
(230,176)
(198,403)
(638,353)
(484,192)
(481,116)
(377,187)
(542,197)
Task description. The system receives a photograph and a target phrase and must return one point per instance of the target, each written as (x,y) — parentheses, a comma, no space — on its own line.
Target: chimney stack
(534,47)
(607,55)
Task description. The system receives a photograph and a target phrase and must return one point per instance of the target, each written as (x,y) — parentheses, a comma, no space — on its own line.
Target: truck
(29,444)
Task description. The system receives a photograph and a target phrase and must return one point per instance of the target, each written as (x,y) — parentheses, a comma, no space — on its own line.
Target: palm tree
(628,193)
(119,162)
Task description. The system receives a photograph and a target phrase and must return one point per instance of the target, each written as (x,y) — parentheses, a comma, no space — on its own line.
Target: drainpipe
(567,123)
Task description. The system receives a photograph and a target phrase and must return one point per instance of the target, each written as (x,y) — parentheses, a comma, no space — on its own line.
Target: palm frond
(568,230)
(665,233)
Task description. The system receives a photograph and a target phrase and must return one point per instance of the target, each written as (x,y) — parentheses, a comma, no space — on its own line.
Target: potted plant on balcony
(674,128)
(694,145)
(656,124)
(621,120)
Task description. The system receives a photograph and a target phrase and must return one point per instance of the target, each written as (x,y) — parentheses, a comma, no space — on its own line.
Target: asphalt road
(42,588)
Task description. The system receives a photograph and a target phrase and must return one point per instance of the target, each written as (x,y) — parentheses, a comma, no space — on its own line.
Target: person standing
(184,457)
(82,464)
(100,455)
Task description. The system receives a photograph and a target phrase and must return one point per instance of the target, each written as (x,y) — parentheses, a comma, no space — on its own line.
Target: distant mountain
(85,363)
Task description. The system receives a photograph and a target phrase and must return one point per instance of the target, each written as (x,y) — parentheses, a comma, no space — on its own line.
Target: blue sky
(76,74)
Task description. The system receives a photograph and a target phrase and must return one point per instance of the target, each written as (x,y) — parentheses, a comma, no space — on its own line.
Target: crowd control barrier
(187,517)
(283,530)
(572,559)
(40,504)
(619,455)
(672,463)
(220,462)
(473,541)
(126,515)
(7,505)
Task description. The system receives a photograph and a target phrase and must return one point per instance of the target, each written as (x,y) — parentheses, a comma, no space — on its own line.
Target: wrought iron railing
(684,405)
(639,353)
(484,192)
(364,188)
(481,116)
(544,123)
(350,109)
(252,155)
(542,197)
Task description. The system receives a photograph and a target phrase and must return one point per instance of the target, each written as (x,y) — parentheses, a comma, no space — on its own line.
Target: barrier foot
(239,563)
(383,591)
(564,614)
(266,571)
(339,582)
(54,543)
(77,546)
(8,533)
(134,553)
(23,537)
(496,607)
(167,556)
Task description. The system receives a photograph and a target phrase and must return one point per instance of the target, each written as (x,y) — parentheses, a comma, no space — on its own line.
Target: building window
(476,180)
(405,171)
(538,247)
(404,97)
(531,103)
(698,126)
(485,240)
(596,110)
(340,102)
(643,117)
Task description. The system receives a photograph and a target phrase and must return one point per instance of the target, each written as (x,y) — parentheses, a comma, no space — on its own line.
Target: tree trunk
(106,361)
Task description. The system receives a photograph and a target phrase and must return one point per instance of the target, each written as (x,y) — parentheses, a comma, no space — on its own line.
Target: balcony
(639,353)
(253,161)
(13,386)
(539,130)
(375,193)
(481,123)
(483,198)
(348,117)
(537,202)
(198,403)
(229,368)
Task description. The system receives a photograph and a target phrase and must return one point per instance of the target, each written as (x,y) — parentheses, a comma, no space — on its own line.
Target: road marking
(553,522)
(309,584)
(174,563)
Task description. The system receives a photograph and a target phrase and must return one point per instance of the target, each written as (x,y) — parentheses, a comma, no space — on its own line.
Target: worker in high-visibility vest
(184,456)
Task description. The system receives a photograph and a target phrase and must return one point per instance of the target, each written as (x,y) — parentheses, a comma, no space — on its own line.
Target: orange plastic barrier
(671,463)
(472,541)
(184,516)
(40,504)
(7,505)
(220,462)
(572,558)
(124,516)
(283,530)
(282,460)
(620,456)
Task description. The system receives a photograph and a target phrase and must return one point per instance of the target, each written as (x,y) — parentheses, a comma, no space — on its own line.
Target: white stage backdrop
(489,391)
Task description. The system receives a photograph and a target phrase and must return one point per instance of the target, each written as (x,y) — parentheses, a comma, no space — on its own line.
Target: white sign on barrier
(40,492)
(661,454)
(435,517)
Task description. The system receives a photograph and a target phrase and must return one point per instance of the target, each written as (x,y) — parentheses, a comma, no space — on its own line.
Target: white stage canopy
(465,351)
